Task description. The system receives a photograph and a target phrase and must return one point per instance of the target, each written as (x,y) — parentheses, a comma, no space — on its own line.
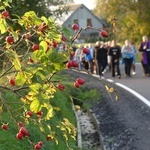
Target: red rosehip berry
(63,38)
(75,26)
(19,136)
(104,33)
(61,87)
(31,60)
(20,124)
(35,47)
(29,113)
(4,126)
(9,39)
(80,81)
(85,50)
(68,65)
(12,81)
(54,44)
(40,113)
(23,131)
(76,84)
(40,143)
(5,14)
(37,147)
(74,63)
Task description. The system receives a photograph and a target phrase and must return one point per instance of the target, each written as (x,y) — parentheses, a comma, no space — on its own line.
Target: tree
(132,17)
(41,7)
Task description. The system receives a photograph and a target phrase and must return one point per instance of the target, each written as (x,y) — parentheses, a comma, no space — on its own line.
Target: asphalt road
(138,84)
(125,123)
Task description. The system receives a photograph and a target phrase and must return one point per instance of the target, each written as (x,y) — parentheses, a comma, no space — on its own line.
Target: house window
(69,25)
(89,22)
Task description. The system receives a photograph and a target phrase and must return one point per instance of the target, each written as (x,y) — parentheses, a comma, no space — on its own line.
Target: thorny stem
(88,27)
(6,71)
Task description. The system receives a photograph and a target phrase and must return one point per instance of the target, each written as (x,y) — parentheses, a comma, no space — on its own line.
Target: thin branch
(4,73)
(88,27)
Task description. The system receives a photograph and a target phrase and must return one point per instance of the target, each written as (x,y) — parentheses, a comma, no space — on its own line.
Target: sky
(88,3)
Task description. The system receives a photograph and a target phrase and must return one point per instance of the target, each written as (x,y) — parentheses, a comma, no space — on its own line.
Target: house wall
(82,14)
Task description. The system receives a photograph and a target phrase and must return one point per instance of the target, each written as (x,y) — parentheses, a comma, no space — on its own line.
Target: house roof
(73,8)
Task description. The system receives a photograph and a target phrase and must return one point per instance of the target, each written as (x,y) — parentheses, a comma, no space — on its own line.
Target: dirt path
(124,124)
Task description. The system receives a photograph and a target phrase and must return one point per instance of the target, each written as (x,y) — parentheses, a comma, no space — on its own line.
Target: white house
(81,15)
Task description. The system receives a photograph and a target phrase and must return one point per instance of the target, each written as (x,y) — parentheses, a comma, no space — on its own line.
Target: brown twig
(88,27)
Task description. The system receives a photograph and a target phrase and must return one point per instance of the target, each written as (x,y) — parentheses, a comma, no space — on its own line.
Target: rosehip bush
(30,63)
(29,74)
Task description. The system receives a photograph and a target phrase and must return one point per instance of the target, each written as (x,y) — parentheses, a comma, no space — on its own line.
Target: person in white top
(77,56)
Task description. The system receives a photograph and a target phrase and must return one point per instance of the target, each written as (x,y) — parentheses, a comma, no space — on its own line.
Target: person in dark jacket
(104,61)
(115,54)
(97,64)
(145,49)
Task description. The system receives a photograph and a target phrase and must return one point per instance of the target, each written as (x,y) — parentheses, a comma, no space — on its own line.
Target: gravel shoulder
(125,123)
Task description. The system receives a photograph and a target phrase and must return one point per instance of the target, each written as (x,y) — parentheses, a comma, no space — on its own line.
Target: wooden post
(114,22)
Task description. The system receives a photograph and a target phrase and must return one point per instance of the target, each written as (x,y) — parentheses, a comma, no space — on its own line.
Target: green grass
(8,138)
(83,96)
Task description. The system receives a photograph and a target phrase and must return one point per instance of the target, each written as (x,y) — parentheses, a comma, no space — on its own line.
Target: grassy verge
(83,96)
(8,137)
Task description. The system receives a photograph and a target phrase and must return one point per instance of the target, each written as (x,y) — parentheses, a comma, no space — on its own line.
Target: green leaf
(5,4)
(57,57)
(42,72)
(44,97)
(36,55)
(59,66)
(55,35)
(35,87)
(35,106)
(14,59)
(50,68)
(29,18)
(3,26)
(67,32)
(20,78)
(39,79)
(50,111)
(44,19)
(51,20)
(43,46)
(44,59)
(42,129)
(15,35)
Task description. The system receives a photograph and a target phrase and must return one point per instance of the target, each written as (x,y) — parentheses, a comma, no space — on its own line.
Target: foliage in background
(132,17)
(41,7)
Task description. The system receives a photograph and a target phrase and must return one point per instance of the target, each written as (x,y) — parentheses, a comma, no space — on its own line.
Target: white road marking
(143,99)
(95,75)
(110,80)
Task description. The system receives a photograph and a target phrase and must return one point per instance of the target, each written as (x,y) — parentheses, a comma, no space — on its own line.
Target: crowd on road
(108,55)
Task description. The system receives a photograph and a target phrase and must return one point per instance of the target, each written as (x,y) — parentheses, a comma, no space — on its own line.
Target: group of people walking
(109,55)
